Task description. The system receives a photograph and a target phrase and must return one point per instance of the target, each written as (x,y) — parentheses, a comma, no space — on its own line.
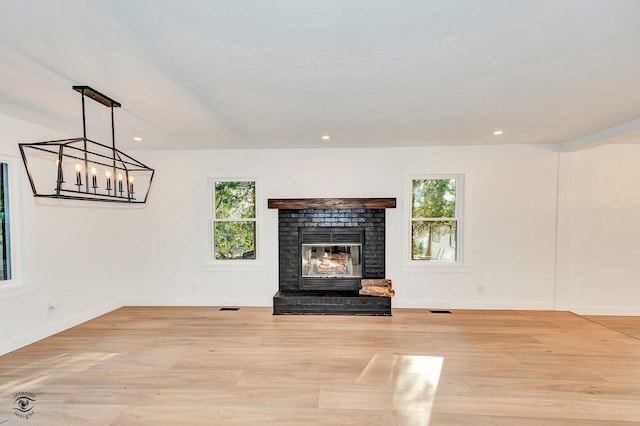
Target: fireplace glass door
(331,260)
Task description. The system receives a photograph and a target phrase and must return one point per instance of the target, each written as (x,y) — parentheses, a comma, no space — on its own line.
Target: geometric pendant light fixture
(83,169)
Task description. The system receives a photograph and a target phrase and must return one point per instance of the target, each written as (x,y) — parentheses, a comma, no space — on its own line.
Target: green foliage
(235,200)
(235,239)
(434,198)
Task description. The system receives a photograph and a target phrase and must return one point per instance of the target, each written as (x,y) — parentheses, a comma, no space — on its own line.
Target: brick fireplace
(326,246)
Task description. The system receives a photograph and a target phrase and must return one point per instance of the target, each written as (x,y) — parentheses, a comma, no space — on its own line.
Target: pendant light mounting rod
(97,96)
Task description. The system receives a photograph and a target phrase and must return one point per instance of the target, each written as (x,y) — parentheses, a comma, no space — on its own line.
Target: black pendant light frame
(86,154)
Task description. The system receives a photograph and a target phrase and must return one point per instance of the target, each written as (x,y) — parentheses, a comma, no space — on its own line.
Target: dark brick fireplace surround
(364,215)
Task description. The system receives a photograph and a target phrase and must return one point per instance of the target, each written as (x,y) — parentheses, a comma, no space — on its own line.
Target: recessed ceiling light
(137,138)
(326,137)
(498,132)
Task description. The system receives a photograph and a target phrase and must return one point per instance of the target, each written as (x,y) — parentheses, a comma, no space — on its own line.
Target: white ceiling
(195,74)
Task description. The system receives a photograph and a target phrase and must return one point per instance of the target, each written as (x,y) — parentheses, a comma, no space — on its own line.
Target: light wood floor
(200,365)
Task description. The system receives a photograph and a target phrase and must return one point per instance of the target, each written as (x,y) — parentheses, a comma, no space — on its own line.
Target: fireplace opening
(331,258)
(331,261)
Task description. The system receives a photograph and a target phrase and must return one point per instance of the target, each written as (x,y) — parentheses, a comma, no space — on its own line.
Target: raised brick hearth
(329,303)
(366,216)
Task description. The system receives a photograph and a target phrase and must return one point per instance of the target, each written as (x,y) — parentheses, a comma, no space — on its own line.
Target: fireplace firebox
(331,258)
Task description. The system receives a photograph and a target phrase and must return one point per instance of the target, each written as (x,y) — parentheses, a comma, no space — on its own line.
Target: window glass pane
(433,198)
(235,200)
(5,252)
(433,240)
(235,240)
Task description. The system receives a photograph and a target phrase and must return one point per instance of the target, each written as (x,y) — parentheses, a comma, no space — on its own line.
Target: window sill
(234,266)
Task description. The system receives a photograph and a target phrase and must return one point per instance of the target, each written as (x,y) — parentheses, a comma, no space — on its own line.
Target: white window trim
(435,266)
(233,265)
(18,284)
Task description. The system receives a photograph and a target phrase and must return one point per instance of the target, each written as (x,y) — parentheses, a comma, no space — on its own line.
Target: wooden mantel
(331,203)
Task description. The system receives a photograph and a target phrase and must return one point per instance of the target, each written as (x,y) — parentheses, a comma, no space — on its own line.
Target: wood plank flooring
(200,365)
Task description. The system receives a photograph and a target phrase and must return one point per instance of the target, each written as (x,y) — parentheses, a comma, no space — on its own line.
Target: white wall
(71,253)
(601,241)
(509,223)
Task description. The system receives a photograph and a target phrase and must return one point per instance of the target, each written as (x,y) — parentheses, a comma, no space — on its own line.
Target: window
(435,222)
(5,246)
(234,219)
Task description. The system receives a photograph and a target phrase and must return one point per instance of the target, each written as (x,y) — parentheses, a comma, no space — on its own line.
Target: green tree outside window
(234,226)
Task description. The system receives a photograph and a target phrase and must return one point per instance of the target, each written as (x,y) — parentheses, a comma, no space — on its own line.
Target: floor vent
(229,309)
(439,311)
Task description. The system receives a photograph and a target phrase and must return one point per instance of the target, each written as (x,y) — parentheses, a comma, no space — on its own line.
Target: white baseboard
(562,307)
(472,304)
(198,301)
(606,310)
(49,330)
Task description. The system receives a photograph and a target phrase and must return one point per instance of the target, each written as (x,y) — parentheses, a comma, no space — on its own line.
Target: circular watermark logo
(23,404)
